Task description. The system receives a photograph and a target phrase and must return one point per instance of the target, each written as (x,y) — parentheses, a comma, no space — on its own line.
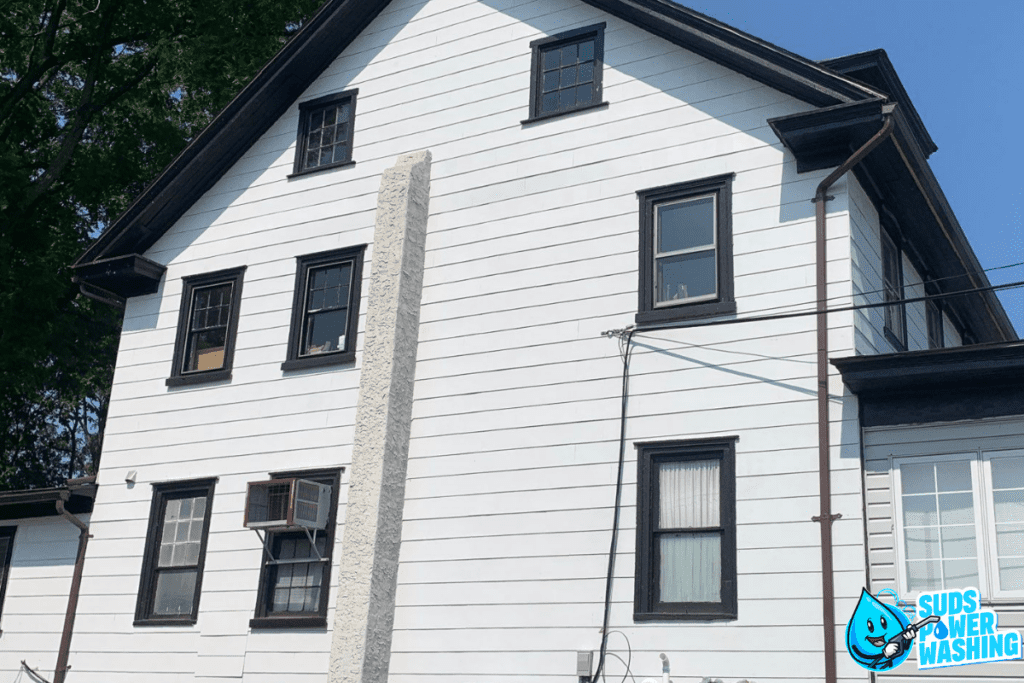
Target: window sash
(660,255)
(310,313)
(997,518)
(193,356)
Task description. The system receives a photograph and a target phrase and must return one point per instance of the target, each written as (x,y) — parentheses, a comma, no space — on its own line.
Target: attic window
(566,72)
(325,132)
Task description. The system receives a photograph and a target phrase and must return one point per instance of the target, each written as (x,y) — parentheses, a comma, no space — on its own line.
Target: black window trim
(303,265)
(261,619)
(147,577)
(189,284)
(9,533)
(890,236)
(724,303)
(572,36)
(305,108)
(645,605)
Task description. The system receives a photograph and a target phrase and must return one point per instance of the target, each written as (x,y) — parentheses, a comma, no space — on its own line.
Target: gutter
(825,517)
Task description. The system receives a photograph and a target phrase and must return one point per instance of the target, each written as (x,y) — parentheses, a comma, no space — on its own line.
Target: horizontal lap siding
(36,600)
(880,445)
(531,254)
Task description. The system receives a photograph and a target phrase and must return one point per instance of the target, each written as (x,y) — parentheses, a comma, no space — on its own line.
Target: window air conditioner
(280,504)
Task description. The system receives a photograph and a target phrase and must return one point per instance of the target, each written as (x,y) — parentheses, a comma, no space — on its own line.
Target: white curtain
(691,563)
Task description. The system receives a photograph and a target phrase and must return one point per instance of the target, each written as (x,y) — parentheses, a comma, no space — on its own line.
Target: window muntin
(326,127)
(686,540)
(892,284)
(566,73)
(207,323)
(175,551)
(293,591)
(686,250)
(933,313)
(325,311)
(6,553)
(960,522)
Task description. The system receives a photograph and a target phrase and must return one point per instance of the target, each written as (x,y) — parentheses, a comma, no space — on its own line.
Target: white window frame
(984,519)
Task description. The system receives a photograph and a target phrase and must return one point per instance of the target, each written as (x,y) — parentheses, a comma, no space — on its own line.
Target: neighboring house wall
(885,553)
(36,599)
(867,277)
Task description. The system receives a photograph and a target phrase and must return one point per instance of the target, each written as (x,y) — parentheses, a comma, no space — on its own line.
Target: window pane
(182,532)
(586,50)
(174,593)
(686,276)
(551,81)
(954,476)
(690,568)
(296,586)
(551,59)
(1010,540)
(919,511)
(917,478)
(326,332)
(206,350)
(585,94)
(956,508)
(922,544)
(549,102)
(569,53)
(686,225)
(960,573)
(567,98)
(959,542)
(924,575)
(688,494)
(586,72)
(568,77)
(1007,473)
(1011,574)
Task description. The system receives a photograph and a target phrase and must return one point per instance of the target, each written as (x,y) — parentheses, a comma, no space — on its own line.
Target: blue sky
(963,65)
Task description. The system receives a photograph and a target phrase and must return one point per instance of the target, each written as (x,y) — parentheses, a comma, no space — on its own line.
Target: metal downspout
(825,517)
(76,581)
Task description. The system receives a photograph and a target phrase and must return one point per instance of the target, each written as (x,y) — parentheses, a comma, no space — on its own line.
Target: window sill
(287,622)
(198,378)
(310,171)
(680,616)
(686,312)
(898,345)
(319,360)
(557,114)
(164,621)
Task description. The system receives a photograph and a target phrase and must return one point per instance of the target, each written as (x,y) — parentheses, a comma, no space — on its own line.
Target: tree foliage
(96,98)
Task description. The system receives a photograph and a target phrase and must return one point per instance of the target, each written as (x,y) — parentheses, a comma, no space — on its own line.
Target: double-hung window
(326,132)
(892,285)
(686,530)
(172,566)
(933,314)
(325,310)
(296,571)
(6,552)
(566,72)
(686,250)
(207,323)
(960,522)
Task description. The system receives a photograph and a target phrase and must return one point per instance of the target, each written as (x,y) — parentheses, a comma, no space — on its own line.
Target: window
(960,522)
(686,250)
(686,530)
(933,312)
(892,284)
(172,567)
(566,72)
(325,311)
(6,552)
(207,324)
(294,587)
(326,127)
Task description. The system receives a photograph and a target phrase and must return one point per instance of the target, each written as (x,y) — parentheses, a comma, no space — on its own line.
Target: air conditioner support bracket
(297,560)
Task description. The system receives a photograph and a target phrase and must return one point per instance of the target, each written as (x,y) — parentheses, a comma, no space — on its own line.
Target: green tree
(96,98)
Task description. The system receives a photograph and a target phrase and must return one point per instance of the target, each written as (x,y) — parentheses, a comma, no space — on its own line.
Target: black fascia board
(874,68)
(78,499)
(126,276)
(235,128)
(758,59)
(339,22)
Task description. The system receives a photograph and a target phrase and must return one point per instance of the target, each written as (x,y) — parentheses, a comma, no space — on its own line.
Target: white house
(388,268)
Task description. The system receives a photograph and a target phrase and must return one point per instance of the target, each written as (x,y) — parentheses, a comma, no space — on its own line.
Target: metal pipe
(76,581)
(98,294)
(825,518)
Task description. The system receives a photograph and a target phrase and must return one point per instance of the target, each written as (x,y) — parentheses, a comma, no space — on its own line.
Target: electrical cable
(626,352)
(629,663)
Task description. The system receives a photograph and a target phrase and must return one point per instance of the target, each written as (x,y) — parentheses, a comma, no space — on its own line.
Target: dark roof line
(333,28)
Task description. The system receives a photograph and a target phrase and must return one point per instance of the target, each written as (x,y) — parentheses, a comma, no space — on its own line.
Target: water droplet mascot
(879,637)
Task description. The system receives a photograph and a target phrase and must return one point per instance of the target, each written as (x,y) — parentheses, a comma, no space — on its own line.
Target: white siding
(531,254)
(36,601)
(881,444)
